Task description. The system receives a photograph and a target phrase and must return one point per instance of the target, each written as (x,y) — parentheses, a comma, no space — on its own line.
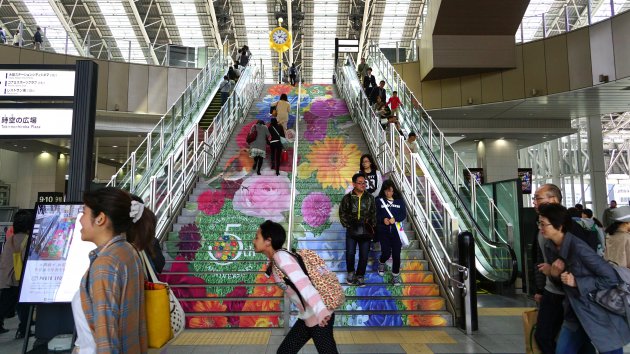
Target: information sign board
(35,122)
(36,83)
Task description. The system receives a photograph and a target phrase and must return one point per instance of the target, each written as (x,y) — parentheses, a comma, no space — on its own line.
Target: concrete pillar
(596,164)
(498,158)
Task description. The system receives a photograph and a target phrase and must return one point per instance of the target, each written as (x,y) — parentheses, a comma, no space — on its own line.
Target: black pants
(351,251)
(276,152)
(390,246)
(9,302)
(549,322)
(300,334)
(258,161)
(292,79)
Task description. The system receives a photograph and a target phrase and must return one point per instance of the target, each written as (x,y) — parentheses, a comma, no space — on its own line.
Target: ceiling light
(114,146)
(15,145)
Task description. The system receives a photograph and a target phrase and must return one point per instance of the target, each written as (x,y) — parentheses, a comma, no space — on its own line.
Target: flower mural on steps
(180,268)
(265,196)
(211,201)
(333,161)
(316,209)
(327,108)
(189,237)
(315,127)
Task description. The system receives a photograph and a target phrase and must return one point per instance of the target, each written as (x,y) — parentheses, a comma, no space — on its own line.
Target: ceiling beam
(65,20)
(215,24)
(364,27)
(143,31)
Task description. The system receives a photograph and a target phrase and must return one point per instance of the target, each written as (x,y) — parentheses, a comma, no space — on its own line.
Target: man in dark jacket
(379,91)
(38,39)
(369,83)
(357,213)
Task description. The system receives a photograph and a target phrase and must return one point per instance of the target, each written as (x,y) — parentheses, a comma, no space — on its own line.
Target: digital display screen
(56,257)
(37,82)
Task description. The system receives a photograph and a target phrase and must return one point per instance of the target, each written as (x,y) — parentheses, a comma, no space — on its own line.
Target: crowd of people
(18,38)
(571,259)
(386,109)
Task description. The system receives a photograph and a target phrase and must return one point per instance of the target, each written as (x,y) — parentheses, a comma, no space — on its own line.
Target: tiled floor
(500,331)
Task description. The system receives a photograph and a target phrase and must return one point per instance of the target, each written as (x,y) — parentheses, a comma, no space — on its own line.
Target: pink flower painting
(316,209)
(331,107)
(211,202)
(266,196)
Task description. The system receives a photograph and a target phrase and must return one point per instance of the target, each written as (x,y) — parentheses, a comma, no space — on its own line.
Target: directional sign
(35,122)
(36,83)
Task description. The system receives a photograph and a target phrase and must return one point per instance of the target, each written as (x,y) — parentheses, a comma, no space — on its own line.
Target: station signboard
(36,83)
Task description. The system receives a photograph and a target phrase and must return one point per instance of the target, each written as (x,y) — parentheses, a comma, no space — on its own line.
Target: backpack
(325,282)
(617,299)
(18,261)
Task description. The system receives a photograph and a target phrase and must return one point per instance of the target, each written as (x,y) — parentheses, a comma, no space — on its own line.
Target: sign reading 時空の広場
(36,83)
(35,121)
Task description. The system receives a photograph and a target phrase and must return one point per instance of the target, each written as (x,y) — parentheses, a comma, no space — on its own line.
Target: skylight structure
(257,26)
(187,20)
(394,18)
(603,11)
(118,22)
(324,34)
(532,21)
(54,31)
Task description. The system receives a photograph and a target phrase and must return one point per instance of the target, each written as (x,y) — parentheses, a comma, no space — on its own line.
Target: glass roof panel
(532,21)
(187,20)
(393,24)
(118,22)
(52,29)
(325,25)
(603,12)
(257,27)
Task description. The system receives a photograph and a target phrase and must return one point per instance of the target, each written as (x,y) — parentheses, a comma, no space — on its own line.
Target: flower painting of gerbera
(333,161)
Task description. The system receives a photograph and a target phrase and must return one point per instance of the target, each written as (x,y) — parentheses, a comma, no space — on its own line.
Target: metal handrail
(392,159)
(415,118)
(168,132)
(198,153)
(294,166)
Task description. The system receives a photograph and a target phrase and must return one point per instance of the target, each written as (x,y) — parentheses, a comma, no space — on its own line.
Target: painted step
(234,321)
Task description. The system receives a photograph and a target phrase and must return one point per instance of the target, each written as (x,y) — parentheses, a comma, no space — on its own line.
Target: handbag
(252,135)
(165,315)
(529,325)
(404,240)
(284,156)
(286,143)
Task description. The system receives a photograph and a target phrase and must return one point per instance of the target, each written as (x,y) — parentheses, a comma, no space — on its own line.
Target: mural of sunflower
(333,161)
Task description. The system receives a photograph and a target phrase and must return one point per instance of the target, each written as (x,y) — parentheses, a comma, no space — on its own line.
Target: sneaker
(381,269)
(350,278)
(360,282)
(396,279)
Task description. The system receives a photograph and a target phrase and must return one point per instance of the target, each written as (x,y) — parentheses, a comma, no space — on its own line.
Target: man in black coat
(379,91)
(369,83)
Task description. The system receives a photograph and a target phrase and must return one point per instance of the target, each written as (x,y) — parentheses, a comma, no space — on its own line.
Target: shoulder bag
(165,315)
(404,240)
(252,135)
(286,143)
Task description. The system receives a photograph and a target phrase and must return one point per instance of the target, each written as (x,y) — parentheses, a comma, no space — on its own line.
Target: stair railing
(198,153)
(393,159)
(294,171)
(168,133)
(474,208)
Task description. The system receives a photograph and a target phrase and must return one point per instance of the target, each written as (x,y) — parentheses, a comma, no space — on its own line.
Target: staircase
(212,267)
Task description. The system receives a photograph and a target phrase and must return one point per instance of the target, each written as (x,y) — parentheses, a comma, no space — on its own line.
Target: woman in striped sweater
(314,319)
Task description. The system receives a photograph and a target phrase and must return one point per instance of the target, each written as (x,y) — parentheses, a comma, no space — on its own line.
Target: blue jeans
(224,97)
(574,342)
(351,251)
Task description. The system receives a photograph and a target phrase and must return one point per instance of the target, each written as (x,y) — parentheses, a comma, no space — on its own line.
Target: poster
(56,257)
(525,176)
(477,172)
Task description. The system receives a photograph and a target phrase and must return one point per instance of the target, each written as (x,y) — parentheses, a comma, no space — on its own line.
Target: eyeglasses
(364,182)
(539,198)
(540,224)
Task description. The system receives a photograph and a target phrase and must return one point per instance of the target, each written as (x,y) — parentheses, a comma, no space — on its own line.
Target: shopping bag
(284,157)
(529,326)
(177,317)
(252,135)
(157,309)
(404,240)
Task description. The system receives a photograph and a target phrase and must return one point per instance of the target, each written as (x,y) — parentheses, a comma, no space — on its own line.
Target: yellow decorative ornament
(280,39)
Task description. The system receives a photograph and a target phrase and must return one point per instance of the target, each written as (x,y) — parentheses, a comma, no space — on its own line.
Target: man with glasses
(357,213)
(549,294)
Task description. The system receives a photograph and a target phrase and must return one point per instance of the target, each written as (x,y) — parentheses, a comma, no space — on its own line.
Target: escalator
(446,203)
(211,112)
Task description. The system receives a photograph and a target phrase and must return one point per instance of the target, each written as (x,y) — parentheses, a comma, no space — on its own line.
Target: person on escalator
(258,148)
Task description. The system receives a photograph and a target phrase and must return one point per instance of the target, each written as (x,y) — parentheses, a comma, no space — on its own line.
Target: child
(390,209)
(394,102)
